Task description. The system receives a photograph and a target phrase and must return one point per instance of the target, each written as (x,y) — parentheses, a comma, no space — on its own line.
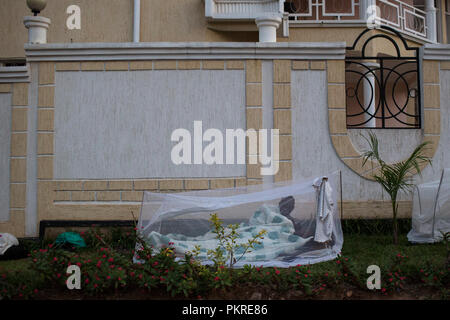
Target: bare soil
(249,293)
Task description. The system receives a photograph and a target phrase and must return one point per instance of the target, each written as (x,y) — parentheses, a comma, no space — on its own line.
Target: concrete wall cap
(269,19)
(36,21)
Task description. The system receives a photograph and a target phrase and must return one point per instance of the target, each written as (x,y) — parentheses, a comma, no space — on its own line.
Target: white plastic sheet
(7,241)
(431,210)
(301,219)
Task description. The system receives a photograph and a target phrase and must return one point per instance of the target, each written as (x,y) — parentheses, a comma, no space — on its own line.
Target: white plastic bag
(7,241)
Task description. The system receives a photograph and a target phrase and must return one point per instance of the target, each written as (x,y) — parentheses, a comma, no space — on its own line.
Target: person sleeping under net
(286,206)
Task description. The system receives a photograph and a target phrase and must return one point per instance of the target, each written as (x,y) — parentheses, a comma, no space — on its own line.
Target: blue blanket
(278,240)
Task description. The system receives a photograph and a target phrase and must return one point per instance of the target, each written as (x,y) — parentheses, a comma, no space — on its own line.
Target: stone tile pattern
(18,157)
(254,114)
(282,116)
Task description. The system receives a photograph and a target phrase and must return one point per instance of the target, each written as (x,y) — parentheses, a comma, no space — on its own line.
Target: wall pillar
(267,27)
(431,20)
(282,117)
(37,28)
(42,74)
(137,21)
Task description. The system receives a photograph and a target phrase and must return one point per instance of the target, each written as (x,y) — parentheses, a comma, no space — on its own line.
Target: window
(382,90)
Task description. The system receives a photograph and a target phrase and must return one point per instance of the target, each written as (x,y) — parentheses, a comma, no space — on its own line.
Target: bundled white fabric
(7,241)
(431,210)
(300,218)
(325,208)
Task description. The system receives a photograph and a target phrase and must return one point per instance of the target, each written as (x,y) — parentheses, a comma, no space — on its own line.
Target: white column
(137,21)
(209,9)
(285,25)
(370,94)
(267,108)
(364,5)
(267,27)
(37,28)
(431,20)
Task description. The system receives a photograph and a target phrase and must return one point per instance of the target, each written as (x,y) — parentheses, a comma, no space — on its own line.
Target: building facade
(91,93)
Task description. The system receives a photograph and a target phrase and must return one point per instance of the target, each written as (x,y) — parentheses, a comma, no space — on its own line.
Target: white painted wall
(313,152)
(395,145)
(118,124)
(5,138)
(442,156)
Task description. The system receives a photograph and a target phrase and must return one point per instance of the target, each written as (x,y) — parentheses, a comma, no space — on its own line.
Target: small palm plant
(395,177)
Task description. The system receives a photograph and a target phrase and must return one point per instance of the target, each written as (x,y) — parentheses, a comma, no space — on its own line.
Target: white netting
(431,210)
(301,220)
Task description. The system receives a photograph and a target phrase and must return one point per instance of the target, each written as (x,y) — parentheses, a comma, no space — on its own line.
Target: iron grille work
(383,91)
(403,16)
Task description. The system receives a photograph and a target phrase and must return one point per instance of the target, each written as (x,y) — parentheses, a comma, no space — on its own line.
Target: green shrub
(107,267)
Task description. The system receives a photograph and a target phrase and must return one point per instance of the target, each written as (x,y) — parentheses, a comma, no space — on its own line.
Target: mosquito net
(431,210)
(300,220)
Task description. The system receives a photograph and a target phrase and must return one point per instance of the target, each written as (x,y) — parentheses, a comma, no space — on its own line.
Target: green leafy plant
(395,278)
(431,275)
(227,237)
(347,274)
(107,268)
(395,177)
(23,284)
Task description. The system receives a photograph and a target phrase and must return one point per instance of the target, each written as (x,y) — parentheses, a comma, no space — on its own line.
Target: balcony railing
(319,11)
(400,15)
(397,14)
(394,13)
(403,17)
(241,9)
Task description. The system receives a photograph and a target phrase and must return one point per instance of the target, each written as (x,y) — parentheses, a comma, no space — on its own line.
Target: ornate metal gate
(383,91)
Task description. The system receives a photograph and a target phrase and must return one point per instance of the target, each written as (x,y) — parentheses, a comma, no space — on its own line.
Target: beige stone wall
(254,114)
(112,21)
(322,34)
(101,21)
(100,199)
(119,199)
(18,154)
(161,21)
(175,20)
(282,116)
